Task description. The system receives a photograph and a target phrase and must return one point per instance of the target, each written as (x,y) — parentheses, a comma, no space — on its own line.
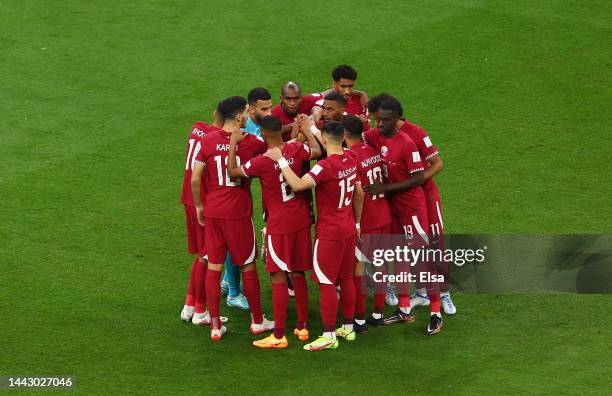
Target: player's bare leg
(301,302)
(250,281)
(280,300)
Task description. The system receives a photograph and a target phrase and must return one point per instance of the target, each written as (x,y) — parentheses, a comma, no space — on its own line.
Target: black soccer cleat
(375,322)
(399,317)
(435,325)
(360,328)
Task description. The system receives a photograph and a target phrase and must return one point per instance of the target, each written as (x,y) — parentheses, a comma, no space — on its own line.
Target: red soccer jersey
(353,106)
(371,167)
(426,149)
(335,178)
(227,198)
(308,102)
(194,145)
(288,211)
(402,158)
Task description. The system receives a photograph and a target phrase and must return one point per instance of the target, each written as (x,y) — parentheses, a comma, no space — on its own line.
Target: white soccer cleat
(217,334)
(203,319)
(187,312)
(391,298)
(419,300)
(265,325)
(447,304)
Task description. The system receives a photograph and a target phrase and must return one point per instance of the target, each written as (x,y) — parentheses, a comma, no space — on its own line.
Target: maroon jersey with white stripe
(402,158)
(194,145)
(334,178)
(226,197)
(371,168)
(288,211)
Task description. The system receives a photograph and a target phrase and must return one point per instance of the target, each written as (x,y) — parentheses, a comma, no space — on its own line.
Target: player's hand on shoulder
(274,154)
(237,136)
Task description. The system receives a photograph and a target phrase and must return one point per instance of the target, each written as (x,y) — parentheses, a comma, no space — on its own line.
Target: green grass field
(97,99)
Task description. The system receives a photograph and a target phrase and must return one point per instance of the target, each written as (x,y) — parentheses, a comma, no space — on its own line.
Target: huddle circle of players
(367,182)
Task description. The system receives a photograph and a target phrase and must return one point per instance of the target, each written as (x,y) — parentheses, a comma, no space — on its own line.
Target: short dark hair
(230,107)
(334,130)
(374,103)
(336,97)
(353,126)
(258,93)
(344,71)
(271,124)
(392,104)
(290,85)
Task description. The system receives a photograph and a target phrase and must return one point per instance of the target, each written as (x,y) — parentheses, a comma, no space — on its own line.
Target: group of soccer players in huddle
(366,181)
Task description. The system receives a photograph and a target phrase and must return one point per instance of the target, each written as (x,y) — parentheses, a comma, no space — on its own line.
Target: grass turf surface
(97,100)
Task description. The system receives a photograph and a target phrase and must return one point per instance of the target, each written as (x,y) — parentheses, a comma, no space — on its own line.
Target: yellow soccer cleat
(302,335)
(321,343)
(271,342)
(348,335)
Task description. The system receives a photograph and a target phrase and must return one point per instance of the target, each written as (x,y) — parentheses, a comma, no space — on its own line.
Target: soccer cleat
(419,300)
(265,325)
(217,334)
(224,287)
(447,304)
(348,335)
(321,343)
(271,342)
(204,318)
(360,328)
(371,320)
(239,301)
(435,324)
(302,334)
(187,313)
(391,298)
(399,317)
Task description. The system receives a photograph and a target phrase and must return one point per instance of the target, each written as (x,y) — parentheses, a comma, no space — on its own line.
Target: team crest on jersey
(384,151)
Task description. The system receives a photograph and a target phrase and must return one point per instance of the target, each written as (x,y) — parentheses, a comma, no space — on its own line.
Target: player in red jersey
(334,179)
(375,219)
(344,77)
(407,200)
(292,103)
(227,215)
(289,247)
(434,205)
(195,301)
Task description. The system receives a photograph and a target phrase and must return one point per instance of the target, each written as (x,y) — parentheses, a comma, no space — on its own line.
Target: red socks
(191,291)
(213,296)
(434,299)
(301,300)
(250,283)
(200,289)
(328,303)
(280,300)
(347,300)
(360,297)
(379,302)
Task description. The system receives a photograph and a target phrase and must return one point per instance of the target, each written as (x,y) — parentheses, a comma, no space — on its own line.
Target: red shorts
(414,228)
(195,232)
(289,252)
(333,260)
(373,238)
(235,235)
